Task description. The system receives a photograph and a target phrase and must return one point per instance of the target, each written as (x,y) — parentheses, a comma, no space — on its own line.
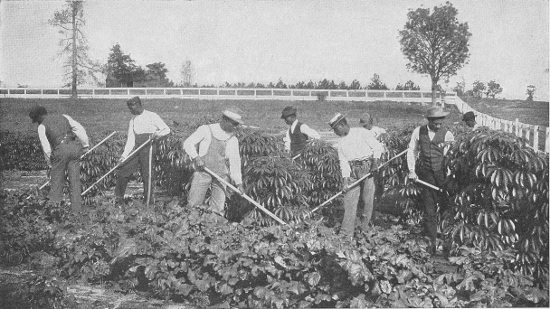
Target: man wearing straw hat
(63,140)
(430,143)
(218,150)
(298,133)
(143,126)
(359,153)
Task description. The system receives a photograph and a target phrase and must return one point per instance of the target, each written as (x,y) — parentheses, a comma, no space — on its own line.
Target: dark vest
(57,129)
(431,152)
(298,140)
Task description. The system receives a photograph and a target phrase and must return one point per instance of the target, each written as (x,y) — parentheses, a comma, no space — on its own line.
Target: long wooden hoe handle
(258,205)
(355,183)
(118,165)
(429,185)
(81,157)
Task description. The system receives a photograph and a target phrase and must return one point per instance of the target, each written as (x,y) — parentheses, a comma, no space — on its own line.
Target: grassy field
(103,114)
(535,113)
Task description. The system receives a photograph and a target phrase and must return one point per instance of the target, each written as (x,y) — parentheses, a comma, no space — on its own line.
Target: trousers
(139,161)
(431,198)
(65,157)
(200,183)
(351,198)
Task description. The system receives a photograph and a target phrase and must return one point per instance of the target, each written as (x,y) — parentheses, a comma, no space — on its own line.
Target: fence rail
(537,136)
(228,94)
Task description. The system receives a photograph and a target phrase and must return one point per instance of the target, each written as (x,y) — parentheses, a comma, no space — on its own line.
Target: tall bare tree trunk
(74,65)
(434,92)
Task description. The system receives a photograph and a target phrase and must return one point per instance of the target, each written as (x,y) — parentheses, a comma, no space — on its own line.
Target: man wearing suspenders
(218,150)
(63,141)
(143,125)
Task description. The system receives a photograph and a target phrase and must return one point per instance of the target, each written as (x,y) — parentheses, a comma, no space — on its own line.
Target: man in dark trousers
(63,141)
(298,133)
(430,143)
(143,125)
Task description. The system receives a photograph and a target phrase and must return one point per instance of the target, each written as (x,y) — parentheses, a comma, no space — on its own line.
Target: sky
(266,40)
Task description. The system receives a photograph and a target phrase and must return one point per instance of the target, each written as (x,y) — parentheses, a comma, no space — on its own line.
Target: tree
(478,89)
(342,85)
(435,43)
(280,84)
(121,69)
(409,85)
(460,87)
(376,83)
(530,93)
(493,88)
(187,73)
(78,66)
(355,84)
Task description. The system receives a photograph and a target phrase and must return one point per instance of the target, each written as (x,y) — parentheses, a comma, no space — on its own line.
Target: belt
(360,162)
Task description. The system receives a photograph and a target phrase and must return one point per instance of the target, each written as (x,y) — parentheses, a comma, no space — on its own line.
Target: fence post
(516,125)
(536,138)
(547,141)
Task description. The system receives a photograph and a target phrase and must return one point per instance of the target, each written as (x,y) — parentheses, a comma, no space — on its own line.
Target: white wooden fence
(533,134)
(228,94)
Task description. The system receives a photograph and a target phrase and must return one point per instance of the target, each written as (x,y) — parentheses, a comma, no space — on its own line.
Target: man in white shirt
(218,150)
(430,143)
(58,136)
(143,125)
(298,133)
(359,153)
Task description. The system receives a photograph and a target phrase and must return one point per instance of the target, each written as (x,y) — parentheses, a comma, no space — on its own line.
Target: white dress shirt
(145,123)
(304,129)
(359,144)
(203,138)
(77,129)
(412,154)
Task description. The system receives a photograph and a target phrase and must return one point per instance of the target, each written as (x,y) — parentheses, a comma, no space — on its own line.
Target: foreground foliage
(181,254)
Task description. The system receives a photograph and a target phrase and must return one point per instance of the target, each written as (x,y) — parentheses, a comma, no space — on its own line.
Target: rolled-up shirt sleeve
(162,128)
(449,139)
(344,164)
(190,143)
(413,150)
(286,141)
(376,146)
(232,153)
(130,141)
(309,132)
(46,148)
(79,131)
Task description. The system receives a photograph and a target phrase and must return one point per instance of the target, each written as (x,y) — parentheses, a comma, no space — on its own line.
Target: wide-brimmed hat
(436,112)
(469,116)
(288,111)
(37,111)
(234,115)
(336,119)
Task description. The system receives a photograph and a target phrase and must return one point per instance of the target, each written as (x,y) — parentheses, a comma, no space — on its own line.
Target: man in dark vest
(63,141)
(298,133)
(216,147)
(430,143)
(143,125)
